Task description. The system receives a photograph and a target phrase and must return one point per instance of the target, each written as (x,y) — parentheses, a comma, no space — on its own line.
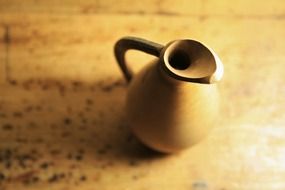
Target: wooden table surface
(62,122)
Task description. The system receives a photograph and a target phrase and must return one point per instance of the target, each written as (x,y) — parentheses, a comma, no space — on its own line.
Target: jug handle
(127,43)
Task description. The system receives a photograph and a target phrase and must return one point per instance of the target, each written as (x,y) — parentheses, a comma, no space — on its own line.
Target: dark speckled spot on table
(55,152)
(83,178)
(54,178)
(2,177)
(3,115)
(7,127)
(67,121)
(13,82)
(18,114)
(45,165)
(200,185)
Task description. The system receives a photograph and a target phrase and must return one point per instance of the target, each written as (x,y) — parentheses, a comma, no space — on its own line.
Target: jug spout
(191,61)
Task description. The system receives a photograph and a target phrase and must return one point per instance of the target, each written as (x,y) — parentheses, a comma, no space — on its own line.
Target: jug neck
(190,61)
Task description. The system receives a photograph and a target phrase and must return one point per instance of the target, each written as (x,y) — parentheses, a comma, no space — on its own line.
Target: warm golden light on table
(62,121)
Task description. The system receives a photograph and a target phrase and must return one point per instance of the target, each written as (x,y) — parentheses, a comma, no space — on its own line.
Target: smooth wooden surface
(241,8)
(62,124)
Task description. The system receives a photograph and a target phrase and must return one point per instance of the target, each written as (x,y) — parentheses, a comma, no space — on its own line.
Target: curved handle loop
(126,43)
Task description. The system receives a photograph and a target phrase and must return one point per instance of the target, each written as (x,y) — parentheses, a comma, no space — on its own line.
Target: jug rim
(191,61)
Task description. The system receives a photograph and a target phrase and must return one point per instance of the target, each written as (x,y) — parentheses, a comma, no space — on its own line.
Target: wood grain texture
(62,124)
(3,53)
(240,8)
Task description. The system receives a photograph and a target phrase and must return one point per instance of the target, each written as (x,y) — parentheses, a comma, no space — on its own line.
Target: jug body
(173,102)
(167,115)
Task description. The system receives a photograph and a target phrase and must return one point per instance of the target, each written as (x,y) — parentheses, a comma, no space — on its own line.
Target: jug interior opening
(179,59)
(189,59)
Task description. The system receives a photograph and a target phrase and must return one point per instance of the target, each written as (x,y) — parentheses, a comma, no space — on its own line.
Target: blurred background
(62,122)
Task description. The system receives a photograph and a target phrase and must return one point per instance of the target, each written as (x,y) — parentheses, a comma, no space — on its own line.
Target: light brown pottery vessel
(173,102)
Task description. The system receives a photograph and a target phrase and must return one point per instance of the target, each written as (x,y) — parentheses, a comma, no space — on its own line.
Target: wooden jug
(173,102)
